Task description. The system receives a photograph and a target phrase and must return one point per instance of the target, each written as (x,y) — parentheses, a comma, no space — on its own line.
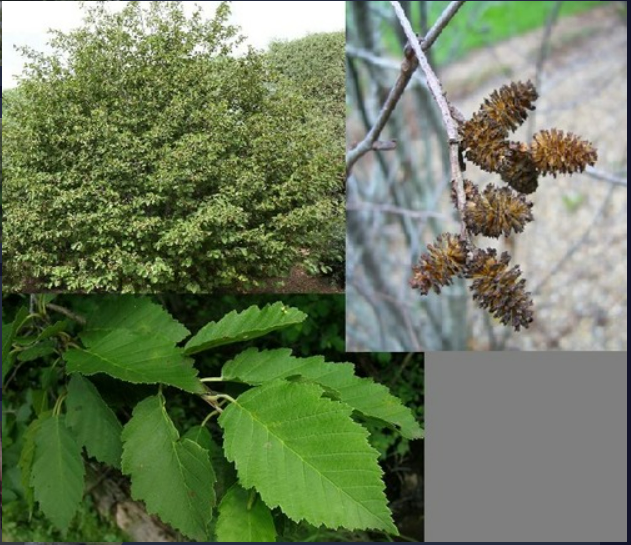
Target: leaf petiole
(212,379)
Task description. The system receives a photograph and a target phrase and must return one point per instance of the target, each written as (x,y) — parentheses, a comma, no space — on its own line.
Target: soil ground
(299,281)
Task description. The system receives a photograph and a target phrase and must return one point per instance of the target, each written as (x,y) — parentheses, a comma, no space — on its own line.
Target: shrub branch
(451,125)
(408,67)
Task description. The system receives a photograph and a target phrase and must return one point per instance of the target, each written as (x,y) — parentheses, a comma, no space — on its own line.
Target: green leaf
(172,476)
(9,332)
(136,358)
(243,517)
(137,315)
(365,396)
(27,456)
(95,425)
(249,324)
(8,496)
(53,329)
(37,351)
(201,436)
(58,472)
(225,473)
(305,454)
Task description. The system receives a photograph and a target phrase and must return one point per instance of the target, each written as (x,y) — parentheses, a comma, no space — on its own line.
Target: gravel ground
(574,254)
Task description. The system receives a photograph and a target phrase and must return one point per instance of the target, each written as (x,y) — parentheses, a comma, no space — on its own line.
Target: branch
(446,110)
(421,215)
(375,60)
(606,176)
(407,70)
(67,313)
(544,51)
(577,244)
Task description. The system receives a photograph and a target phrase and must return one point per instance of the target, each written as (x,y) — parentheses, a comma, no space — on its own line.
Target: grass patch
(480,24)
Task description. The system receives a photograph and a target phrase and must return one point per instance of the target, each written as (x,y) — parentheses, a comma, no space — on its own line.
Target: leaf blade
(136,358)
(140,315)
(241,326)
(27,457)
(93,422)
(9,332)
(173,477)
(36,351)
(369,398)
(238,522)
(282,429)
(58,472)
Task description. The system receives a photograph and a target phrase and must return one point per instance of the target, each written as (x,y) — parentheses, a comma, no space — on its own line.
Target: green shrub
(315,64)
(144,156)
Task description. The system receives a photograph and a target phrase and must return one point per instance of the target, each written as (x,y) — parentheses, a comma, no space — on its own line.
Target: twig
(577,244)
(421,215)
(387,145)
(606,176)
(407,70)
(67,313)
(371,58)
(544,50)
(564,259)
(404,364)
(451,126)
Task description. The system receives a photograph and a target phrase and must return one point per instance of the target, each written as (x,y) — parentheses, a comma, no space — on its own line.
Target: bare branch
(577,244)
(422,215)
(387,145)
(544,51)
(606,176)
(445,108)
(407,70)
(440,24)
(375,60)
(67,313)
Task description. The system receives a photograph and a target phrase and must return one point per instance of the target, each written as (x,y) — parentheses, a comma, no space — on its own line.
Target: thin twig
(577,244)
(373,59)
(451,125)
(544,51)
(606,176)
(67,313)
(421,215)
(401,368)
(564,259)
(407,70)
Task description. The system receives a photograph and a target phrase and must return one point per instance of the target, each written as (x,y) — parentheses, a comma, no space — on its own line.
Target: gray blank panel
(526,447)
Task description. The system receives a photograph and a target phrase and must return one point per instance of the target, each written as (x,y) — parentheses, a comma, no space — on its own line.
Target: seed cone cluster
(495,287)
(485,139)
(493,212)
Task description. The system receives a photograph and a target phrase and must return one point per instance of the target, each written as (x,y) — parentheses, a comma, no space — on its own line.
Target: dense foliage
(144,155)
(264,429)
(314,65)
